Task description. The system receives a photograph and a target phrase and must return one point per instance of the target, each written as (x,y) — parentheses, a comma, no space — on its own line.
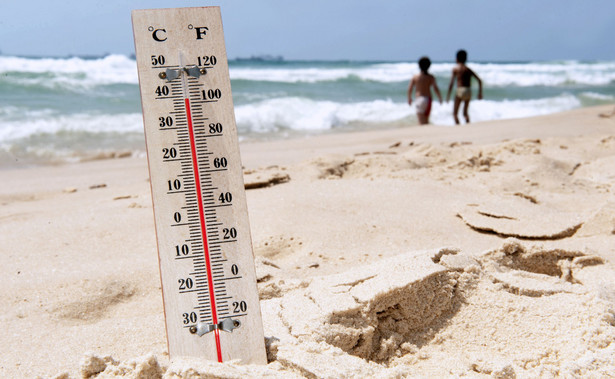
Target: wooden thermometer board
(205,253)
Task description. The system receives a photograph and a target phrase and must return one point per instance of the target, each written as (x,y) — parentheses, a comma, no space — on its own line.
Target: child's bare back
(422,83)
(462,75)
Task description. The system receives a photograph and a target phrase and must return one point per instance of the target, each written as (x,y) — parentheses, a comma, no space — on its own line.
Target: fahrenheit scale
(204,245)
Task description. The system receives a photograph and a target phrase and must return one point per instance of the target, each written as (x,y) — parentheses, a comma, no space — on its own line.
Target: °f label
(204,246)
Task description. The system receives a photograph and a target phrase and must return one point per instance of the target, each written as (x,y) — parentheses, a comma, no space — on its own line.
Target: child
(423,83)
(464,93)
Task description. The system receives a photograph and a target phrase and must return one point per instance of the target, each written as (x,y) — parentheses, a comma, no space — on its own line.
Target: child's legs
(466,105)
(456,109)
(423,118)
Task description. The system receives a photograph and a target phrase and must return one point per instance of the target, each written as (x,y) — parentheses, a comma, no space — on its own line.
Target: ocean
(55,110)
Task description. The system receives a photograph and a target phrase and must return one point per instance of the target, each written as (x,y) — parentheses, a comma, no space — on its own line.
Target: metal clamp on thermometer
(204,246)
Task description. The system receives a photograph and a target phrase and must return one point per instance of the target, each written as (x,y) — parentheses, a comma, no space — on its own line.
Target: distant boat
(261,58)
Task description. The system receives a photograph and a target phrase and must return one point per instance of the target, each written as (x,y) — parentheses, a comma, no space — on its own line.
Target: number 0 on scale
(204,245)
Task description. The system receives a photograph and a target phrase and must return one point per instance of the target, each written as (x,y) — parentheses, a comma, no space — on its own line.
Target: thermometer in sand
(204,246)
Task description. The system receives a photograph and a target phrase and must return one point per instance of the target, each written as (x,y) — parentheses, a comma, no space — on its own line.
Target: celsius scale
(207,271)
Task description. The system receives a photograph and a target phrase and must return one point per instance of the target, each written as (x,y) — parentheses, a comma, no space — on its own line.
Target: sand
(485,250)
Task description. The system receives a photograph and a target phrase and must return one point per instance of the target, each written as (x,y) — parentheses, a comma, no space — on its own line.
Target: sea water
(70,109)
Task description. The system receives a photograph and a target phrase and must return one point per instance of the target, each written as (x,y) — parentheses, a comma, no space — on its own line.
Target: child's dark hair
(462,56)
(424,64)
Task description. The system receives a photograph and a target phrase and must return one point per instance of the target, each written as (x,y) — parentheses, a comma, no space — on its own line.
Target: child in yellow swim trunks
(464,76)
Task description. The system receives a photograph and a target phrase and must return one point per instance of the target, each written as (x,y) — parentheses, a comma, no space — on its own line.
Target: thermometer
(204,246)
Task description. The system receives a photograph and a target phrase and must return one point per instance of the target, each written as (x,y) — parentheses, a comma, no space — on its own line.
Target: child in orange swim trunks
(423,83)
(464,76)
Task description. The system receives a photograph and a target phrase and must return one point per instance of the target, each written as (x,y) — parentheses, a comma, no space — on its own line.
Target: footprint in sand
(277,246)
(517,217)
(536,271)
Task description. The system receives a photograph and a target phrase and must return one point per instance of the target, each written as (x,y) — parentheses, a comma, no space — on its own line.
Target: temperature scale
(204,246)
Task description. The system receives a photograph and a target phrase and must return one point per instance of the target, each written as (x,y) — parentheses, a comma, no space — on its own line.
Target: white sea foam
(303,114)
(386,73)
(121,69)
(597,96)
(70,71)
(492,74)
(47,121)
(269,116)
(300,114)
(293,75)
(13,113)
(547,74)
(486,110)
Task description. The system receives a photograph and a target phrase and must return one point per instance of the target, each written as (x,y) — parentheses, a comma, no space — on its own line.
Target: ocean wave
(19,123)
(487,110)
(279,114)
(79,72)
(301,114)
(547,74)
(492,74)
(68,72)
(598,96)
(385,72)
(47,135)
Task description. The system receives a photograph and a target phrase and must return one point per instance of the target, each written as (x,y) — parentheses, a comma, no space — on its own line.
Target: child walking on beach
(423,83)
(464,75)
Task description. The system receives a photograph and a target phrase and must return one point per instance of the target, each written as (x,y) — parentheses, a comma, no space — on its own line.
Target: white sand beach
(483,250)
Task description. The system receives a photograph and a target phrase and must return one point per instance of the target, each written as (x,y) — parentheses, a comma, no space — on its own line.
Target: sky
(399,30)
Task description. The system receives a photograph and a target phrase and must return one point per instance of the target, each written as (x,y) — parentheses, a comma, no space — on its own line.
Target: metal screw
(162,75)
(192,328)
(236,323)
(203,71)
